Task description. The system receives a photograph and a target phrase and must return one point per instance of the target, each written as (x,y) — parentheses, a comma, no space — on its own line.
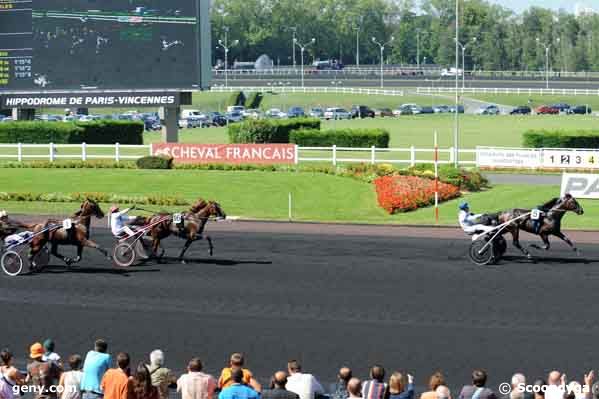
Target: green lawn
(264,195)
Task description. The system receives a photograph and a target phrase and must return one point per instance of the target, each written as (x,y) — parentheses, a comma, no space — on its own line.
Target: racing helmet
(3,213)
(114,208)
(463,206)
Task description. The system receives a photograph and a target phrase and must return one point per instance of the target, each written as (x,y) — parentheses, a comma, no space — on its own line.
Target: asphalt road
(413,304)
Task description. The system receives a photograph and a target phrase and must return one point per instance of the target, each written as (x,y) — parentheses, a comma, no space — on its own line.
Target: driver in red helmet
(119,220)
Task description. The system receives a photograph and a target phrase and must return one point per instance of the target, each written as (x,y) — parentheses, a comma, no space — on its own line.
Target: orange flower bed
(406,193)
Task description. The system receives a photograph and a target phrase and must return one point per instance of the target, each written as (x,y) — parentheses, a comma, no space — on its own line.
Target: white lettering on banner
(228,153)
(89,100)
(508,158)
(580,185)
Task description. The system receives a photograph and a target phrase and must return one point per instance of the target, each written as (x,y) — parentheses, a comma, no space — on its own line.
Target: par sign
(580,185)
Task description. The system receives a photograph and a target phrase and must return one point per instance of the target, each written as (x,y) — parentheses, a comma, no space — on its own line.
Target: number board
(577,159)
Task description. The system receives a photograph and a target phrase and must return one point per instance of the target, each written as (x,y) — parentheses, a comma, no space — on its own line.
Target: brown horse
(77,235)
(550,224)
(191,227)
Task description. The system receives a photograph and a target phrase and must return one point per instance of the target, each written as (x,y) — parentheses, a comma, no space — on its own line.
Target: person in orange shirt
(115,383)
(236,362)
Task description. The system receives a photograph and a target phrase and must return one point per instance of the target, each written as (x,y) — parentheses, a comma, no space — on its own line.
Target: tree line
(496,38)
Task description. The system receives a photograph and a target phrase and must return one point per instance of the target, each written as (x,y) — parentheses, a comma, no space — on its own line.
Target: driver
(470,222)
(119,221)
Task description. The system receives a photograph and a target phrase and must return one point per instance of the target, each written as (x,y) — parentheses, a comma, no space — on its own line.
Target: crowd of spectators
(101,376)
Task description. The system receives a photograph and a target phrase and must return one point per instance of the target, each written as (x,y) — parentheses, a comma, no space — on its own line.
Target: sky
(568,5)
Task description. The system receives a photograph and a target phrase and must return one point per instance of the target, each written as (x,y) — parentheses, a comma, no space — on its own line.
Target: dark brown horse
(191,227)
(77,235)
(550,224)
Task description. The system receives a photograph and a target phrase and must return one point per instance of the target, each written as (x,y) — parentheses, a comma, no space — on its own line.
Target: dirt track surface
(329,295)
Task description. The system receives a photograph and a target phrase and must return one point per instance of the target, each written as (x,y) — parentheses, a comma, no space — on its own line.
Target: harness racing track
(329,295)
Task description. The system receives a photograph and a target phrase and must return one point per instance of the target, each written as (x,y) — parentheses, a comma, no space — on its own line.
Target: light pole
(302,48)
(226,47)
(294,30)
(547,48)
(456,127)
(418,47)
(464,47)
(358,28)
(382,48)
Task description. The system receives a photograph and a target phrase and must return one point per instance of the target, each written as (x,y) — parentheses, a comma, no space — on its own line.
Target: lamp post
(456,138)
(293,29)
(418,47)
(547,49)
(464,47)
(302,49)
(226,47)
(382,48)
(358,28)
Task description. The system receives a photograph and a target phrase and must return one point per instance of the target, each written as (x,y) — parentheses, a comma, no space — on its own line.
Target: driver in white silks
(470,222)
(119,221)
(17,238)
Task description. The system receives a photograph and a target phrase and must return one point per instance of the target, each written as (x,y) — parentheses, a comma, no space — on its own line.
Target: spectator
(236,362)
(354,388)
(95,365)
(162,377)
(555,381)
(436,380)
(539,393)
(343,378)
(442,392)
(277,388)
(115,383)
(8,380)
(70,381)
(375,388)
(41,373)
(141,385)
(303,384)
(238,390)
(477,390)
(398,389)
(49,354)
(195,384)
(7,367)
(518,381)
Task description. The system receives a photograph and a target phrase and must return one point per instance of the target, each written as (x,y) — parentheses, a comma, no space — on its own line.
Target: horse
(77,235)
(550,224)
(191,227)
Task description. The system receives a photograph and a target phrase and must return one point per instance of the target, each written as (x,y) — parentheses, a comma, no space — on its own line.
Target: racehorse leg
(185,248)
(90,244)
(79,253)
(210,246)
(563,237)
(516,243)
(545,239)
(65,259)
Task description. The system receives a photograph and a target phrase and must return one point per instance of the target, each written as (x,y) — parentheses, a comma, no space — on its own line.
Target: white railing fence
(295,89)
(507,90)
(333,155)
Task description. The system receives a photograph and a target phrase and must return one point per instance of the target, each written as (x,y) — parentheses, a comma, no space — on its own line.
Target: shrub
(561,138)
(99,197)
(254,100)
(154,162)
(406,193)
(268,131)
(97,132)
(465,179)
(96,164)
(341,137)
(236,98)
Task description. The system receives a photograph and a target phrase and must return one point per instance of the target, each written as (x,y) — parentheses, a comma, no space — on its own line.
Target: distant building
(582,10)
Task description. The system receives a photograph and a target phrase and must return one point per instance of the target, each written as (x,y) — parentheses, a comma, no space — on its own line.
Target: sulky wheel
(480,256)
(12,263)
(123,255)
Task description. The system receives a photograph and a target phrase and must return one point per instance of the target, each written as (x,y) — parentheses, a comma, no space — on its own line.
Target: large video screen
(99,44)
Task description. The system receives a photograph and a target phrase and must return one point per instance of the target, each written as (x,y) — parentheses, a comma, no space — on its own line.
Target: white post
(335,154)
(452,155)
(289,206)
(83,151)
(51,152)
(296,155)
(152,150)
(117,152)
(373,155)
(20,152)
(412,156)
(436,178)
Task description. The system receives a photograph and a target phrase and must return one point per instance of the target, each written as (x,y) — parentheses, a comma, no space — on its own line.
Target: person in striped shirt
(375,388)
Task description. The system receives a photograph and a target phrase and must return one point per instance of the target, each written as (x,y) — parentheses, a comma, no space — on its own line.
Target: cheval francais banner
(228,153)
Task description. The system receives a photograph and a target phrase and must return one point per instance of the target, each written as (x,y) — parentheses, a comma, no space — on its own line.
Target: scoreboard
(64,45)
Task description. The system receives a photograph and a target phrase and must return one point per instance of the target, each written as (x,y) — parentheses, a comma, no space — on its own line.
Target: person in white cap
(119,221)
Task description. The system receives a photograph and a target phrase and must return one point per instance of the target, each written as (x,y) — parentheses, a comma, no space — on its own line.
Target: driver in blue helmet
(470,222)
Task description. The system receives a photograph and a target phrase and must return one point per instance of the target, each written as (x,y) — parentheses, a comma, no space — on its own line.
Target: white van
(235,108)
(191,113)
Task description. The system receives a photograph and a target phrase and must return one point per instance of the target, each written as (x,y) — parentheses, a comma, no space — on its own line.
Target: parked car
(337,113)
(521,110)
(296,112)
(6,119)
(186,113)
(217,118)
(489,109)
(416,109)
(441,109)
(580,110)
(316,113)
(235,108)
(275,113)
(561,107)
(427,110)
(361,111)
(382,112)
(234,116)
(405,109)
(50,118)
(546,110)
(460,109)
(252,113)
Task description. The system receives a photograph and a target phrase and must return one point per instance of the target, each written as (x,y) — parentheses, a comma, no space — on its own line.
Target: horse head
(214,209)
(569,203)
(90,208)
(198,206)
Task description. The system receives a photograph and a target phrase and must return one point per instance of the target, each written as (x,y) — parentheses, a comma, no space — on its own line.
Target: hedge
(268,131)
(561,138)
(99,197)
(254,100)
(98,132)
(154,162)
(361,138)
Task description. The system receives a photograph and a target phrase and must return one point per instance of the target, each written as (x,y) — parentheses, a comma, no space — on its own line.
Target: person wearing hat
(49,354)
(119,220)
(470,222)
(42,373)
